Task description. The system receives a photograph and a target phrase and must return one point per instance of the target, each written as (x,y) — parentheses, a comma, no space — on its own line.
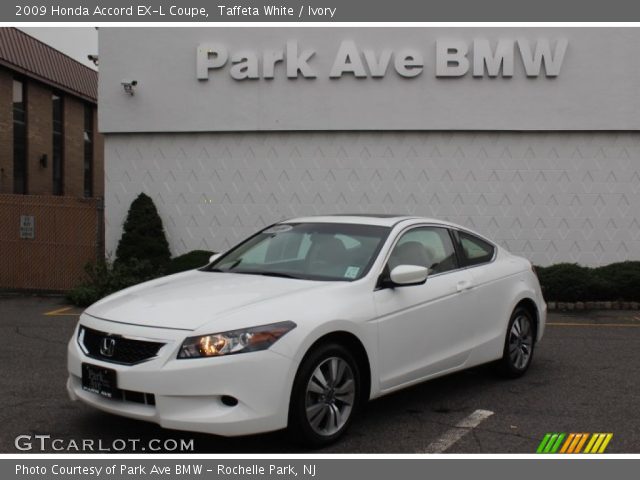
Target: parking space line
(576,324)
(61,312)
(454,434)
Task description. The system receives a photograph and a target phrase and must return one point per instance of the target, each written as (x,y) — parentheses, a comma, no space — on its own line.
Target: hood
(189,300)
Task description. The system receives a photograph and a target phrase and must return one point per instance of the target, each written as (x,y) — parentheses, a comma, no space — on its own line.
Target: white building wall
(596,86)
(552,197)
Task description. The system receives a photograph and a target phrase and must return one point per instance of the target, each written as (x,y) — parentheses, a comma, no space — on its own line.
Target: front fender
(301,342)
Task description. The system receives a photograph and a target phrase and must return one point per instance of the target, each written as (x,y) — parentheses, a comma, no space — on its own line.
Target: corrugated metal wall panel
(552,197)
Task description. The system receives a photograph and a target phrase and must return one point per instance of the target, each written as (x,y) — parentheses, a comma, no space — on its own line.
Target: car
(300,324)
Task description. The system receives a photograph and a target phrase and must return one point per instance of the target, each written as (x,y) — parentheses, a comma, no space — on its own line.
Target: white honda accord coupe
(301,323)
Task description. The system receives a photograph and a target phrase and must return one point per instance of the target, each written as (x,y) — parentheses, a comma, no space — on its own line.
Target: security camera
(93,58)
(128,86)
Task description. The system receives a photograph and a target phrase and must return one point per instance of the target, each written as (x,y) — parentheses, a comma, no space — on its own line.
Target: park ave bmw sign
(453,58)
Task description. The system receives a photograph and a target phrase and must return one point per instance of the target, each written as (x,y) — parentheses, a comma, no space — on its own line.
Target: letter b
(451,58)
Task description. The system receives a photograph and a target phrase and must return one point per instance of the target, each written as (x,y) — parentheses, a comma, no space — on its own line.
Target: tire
(519,344)
(325,395)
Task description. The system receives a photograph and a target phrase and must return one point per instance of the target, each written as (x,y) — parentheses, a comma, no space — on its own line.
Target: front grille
(119,349)
(135,397)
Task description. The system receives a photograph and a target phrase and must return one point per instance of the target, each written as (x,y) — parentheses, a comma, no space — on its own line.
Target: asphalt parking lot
(584,378)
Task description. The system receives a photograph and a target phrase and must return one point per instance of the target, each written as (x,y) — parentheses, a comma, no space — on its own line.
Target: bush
(105,278)
(621,280)
(84,295)
(570,282)
(188,261)
(143,237)
(142,254)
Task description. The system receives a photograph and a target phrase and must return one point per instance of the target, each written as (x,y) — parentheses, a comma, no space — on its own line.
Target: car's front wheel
(325,395)
(519,344)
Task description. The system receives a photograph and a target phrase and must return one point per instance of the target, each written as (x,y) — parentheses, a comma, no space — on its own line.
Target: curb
(556,306)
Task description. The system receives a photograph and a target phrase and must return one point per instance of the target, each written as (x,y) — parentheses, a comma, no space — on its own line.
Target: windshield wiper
(228,269)
(270,274)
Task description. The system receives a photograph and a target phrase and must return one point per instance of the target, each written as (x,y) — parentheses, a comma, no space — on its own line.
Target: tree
(143,237)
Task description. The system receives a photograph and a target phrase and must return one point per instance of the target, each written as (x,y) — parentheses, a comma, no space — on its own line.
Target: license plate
(102,381)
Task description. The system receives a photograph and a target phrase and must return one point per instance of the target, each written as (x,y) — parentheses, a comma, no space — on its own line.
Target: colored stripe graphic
(543,443)
(598,442)
(574,443)
(607,439)
(594,437)
(556,446)
(550,443)
(581,443)
(568,442)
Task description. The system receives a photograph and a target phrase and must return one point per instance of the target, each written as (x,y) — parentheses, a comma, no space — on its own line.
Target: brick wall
(40,141)
(66,237)
(39,138)
(73,147)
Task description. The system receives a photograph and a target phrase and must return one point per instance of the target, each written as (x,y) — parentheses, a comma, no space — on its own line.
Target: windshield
(310,251)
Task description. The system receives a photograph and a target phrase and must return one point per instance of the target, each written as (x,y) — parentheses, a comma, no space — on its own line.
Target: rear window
(475,250)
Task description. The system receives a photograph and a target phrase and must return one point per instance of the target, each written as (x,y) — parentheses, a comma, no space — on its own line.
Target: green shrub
(566,282)
(105,278)
(143,237)
(621,280)
(600,288)
(570,282)
(188,261)
(84,295)
(142,254)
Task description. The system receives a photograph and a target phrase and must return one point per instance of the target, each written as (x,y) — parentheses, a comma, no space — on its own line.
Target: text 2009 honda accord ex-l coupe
(302,322)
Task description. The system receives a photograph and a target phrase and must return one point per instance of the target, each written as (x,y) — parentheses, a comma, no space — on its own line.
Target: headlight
(234,341)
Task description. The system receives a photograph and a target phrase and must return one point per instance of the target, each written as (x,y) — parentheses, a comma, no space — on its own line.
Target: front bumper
(188,393)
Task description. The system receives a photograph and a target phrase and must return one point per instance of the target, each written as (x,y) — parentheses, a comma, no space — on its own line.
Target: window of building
(19,137)
(57,164)
(88,150)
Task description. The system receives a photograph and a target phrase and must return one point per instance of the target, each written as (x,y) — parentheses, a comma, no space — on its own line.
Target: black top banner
(96,11)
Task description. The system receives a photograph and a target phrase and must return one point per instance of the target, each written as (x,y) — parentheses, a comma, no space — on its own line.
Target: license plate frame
(100,380)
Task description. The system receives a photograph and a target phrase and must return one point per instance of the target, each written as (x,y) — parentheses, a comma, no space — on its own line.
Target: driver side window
(429,247)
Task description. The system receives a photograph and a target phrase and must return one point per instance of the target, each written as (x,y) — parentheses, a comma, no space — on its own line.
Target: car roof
(383,219)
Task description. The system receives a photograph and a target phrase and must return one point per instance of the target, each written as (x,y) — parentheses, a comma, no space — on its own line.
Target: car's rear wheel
(519,344)
(325,395)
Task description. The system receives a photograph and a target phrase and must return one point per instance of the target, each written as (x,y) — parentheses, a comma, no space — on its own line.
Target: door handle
(464,285)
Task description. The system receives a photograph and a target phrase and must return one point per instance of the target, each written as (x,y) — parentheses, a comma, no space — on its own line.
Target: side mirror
(214,257)
(407,275)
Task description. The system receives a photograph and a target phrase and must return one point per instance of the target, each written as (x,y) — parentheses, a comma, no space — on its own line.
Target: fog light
(229,401)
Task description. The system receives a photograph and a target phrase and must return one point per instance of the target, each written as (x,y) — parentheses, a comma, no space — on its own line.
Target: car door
(492,282)
(424,329)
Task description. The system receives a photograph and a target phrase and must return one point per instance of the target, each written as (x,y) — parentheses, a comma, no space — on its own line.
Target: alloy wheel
(330,396)
(520,342)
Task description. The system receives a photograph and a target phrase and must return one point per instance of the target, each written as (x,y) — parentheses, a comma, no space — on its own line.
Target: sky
(77,42)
